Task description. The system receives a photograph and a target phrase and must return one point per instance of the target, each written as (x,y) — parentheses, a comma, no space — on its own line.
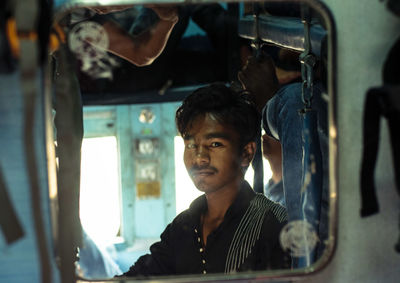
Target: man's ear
(248,153)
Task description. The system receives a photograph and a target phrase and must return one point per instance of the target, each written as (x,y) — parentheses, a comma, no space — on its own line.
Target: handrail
(286,32)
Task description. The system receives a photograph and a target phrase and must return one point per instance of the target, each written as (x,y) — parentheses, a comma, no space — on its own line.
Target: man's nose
(202,155)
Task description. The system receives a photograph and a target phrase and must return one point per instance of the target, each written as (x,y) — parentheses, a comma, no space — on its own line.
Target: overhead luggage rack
(286,32)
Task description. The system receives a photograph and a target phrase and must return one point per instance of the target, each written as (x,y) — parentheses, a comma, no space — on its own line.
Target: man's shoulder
(269,207)
(183,216)
(192,213)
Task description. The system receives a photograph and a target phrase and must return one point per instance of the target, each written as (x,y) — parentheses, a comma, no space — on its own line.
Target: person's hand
(258,77)
(167,13)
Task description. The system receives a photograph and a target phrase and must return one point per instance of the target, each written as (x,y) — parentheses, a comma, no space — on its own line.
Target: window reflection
(196,54)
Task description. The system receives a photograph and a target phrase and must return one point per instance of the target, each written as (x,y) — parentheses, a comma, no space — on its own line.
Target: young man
(230,228)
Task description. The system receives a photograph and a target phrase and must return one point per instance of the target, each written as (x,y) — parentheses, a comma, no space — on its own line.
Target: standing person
(283,117)
(230,228)
(262,78)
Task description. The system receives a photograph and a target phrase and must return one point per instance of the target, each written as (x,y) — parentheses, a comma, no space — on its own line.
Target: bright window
(185,191)
(99,198)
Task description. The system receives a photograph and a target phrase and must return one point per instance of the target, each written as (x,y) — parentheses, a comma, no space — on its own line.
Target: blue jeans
(304,140)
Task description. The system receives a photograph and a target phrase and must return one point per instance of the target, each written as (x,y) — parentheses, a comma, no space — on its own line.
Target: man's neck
(218,202)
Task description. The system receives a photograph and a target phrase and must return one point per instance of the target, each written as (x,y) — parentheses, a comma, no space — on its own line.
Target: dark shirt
(247,239)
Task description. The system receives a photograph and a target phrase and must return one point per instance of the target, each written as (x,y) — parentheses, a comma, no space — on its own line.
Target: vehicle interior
(118,155)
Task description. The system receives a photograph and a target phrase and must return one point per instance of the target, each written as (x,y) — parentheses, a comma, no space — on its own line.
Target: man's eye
(216,144)
(190,146)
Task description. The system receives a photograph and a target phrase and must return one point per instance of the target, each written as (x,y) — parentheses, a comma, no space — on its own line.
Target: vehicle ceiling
(192,57)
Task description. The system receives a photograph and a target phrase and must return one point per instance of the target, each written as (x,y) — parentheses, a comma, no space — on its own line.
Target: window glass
(133,179)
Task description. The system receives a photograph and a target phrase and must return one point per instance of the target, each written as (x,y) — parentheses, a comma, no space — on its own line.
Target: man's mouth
(203,172)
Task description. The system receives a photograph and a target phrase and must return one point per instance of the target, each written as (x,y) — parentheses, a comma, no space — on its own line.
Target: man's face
(212,155)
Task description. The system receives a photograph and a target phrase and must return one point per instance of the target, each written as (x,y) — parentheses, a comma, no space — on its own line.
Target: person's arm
(143,49)
(160,261)
(258,77)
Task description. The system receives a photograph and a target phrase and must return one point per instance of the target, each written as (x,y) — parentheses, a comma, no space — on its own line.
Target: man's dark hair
(229,107)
